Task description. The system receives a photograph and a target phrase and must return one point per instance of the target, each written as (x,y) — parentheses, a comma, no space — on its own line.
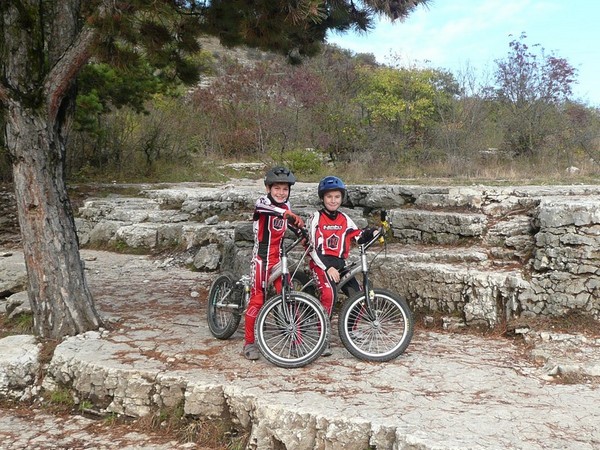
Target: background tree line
(403,121)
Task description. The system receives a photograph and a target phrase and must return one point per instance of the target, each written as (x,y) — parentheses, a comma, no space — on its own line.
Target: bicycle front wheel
(292,333)
(224,306)
(381,335)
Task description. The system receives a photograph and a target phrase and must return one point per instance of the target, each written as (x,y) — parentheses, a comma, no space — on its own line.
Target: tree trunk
(60,299)
(42,47)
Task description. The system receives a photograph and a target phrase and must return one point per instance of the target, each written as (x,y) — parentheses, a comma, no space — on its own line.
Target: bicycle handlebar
(303,237)
(381,231)
(304,233)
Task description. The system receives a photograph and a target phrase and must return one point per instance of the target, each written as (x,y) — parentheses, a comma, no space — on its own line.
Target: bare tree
(530,86)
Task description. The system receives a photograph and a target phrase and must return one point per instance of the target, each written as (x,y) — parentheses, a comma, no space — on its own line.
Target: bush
(307,161)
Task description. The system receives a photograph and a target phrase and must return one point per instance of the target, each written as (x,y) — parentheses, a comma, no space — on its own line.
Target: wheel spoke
(293,332)
(380,335)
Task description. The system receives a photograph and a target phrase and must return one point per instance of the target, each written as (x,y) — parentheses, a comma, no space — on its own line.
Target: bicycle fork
(369,293)
(285,289)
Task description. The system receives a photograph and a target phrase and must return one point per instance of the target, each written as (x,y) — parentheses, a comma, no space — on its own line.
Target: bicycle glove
(294,219)
(366,235)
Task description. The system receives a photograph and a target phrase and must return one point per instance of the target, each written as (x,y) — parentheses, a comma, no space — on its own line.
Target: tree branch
(66,69)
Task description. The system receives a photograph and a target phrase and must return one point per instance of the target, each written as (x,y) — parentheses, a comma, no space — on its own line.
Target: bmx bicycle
(373,324)
(291,329)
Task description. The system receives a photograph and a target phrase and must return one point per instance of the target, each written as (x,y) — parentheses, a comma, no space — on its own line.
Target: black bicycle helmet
(279,175)
(331,184)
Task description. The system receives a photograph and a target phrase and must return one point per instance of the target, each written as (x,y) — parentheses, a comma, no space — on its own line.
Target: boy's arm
(360,235)
(264,206)
(352,231)
(313,226)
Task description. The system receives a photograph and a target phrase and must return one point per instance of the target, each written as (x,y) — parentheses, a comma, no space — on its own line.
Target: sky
(469,35)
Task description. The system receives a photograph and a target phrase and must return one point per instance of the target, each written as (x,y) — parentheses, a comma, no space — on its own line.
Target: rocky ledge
(483,254)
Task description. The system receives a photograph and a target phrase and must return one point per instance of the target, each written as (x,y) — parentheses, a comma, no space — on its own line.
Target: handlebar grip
(304,233)
(383,215)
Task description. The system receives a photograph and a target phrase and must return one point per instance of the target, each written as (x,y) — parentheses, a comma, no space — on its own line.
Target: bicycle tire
(224,321)
(379,340)
(295,336)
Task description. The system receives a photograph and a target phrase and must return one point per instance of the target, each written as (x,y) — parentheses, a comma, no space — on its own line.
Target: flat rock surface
(37,430)
(448,391)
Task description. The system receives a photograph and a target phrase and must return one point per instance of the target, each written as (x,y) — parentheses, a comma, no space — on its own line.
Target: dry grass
(469,169)
(21,324)
(572,323)
(571,378)
(163,427)
(214,433)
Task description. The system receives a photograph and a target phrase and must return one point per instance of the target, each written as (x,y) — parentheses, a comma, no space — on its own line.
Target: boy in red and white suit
(331,235)
(272,217)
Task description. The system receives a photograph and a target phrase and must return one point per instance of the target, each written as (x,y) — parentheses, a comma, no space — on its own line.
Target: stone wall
(484,254)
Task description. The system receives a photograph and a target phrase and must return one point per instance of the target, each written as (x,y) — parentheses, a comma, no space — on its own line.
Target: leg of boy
(327,294)
(325,287)
(257,298)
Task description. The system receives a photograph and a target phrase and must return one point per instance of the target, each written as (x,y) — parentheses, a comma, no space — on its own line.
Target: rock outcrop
(485,254)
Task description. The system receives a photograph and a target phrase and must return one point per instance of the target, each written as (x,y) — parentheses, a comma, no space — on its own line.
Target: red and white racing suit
(331,235)
(269,229)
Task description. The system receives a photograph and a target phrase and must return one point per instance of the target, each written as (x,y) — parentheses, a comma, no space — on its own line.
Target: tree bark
(60,298)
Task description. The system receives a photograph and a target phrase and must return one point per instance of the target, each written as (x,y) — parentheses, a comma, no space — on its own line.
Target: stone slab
(448,391)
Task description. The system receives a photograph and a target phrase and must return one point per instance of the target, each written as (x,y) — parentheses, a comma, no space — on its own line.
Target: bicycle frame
(242,283)
(291,327)
(281,269)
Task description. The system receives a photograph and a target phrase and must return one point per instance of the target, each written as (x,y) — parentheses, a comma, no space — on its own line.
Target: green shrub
(305,161)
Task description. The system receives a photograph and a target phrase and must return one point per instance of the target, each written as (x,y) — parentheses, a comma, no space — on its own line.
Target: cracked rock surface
(447,391)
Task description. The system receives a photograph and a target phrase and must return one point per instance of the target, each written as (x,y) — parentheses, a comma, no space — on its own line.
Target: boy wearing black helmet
(331,234)
(272,217)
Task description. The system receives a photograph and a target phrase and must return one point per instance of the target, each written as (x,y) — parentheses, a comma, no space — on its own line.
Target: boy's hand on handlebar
(366,235)
(304,235)
(294,219)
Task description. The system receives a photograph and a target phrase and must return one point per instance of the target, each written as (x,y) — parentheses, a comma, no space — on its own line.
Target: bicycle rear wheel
(292,333)
(382,337)
(224,306)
